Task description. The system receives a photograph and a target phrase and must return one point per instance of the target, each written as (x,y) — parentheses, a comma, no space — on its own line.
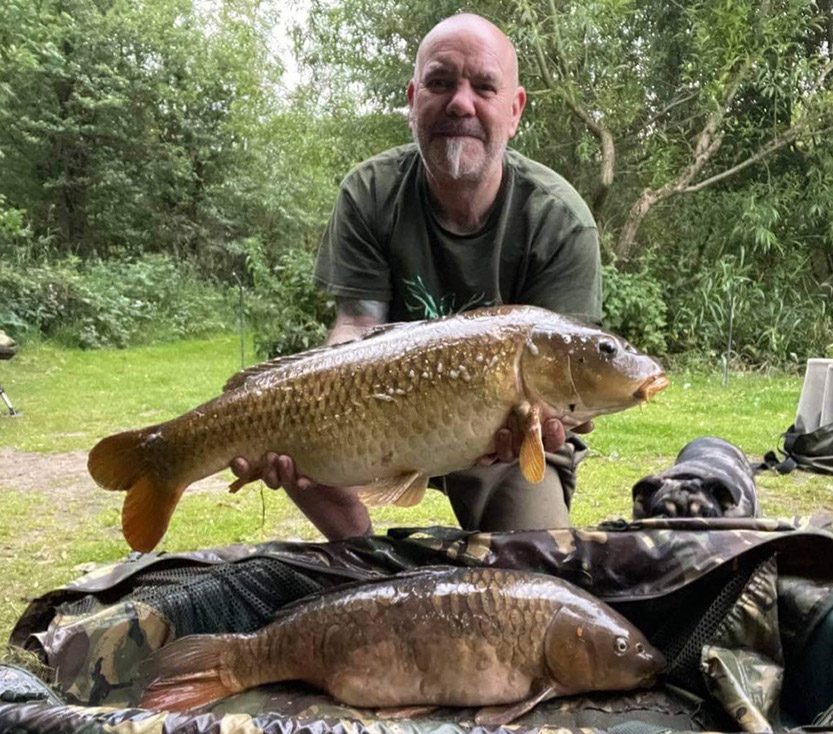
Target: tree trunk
(627,237)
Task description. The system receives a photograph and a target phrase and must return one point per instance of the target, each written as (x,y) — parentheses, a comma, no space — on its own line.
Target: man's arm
(354,317)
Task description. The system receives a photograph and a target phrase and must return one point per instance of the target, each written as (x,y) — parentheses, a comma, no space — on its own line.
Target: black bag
(812,451)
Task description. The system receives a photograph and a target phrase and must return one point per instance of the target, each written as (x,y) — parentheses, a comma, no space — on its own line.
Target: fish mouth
(660,662)
(651,387)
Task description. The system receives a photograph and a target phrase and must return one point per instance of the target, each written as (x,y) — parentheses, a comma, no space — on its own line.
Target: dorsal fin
(241,378)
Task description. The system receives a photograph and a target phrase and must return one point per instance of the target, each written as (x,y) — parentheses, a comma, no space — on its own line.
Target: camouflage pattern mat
(652,571)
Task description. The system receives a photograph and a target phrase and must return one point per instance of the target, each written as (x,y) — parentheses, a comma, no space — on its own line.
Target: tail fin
(120,462)
(189,673)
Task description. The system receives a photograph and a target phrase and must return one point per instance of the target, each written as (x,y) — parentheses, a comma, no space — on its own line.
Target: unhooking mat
(741,608)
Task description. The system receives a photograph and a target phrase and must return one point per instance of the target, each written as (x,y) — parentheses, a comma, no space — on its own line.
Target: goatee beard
(454,156)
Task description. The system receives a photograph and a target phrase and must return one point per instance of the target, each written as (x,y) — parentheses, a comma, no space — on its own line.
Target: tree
(124,125)
(669,80)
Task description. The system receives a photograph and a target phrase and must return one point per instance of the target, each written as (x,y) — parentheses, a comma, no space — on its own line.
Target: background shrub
(113,303)
(634,307)
(287,313)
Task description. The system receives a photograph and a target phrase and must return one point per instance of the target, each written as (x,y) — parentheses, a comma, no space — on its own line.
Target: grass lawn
(53,519)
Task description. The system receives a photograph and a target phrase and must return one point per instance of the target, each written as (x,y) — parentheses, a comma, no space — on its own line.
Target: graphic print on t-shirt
(422,304)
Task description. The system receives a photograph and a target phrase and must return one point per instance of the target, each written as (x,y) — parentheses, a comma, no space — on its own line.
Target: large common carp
(388,411)
(435,637)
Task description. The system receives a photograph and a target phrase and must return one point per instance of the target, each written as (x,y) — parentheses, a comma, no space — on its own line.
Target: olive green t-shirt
(539,245)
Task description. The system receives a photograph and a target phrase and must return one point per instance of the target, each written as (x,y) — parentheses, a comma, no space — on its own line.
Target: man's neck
(463,206)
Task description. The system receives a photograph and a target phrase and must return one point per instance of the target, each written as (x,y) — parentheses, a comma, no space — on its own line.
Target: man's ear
(411,90)
(518,104)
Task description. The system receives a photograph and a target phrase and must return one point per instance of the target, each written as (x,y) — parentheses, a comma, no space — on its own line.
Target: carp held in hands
(498,639)
(385,412)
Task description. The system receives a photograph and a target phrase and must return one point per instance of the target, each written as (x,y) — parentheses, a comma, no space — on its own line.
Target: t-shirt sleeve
(351,259)
(564,273)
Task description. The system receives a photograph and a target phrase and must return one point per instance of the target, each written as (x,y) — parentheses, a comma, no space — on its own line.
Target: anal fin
(404,490)
(146,512)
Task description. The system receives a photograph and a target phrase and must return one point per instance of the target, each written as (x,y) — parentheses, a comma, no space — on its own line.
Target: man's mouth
(457,131)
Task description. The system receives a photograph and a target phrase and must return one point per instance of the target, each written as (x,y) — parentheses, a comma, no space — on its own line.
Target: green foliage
(123,125)
(775,321)
(286,311)
(166,127)
(113,303)
(634,307)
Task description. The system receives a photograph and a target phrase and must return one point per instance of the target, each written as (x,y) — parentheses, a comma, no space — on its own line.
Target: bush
(778,318)
(288,313)
(634,308)
(111,303)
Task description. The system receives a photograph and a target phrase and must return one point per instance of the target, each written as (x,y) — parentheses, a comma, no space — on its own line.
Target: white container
(815,406)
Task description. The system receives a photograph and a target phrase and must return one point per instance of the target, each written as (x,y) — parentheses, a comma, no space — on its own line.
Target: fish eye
(621,645)
(607,346)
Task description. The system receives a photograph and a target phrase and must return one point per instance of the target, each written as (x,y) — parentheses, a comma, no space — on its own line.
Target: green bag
(811,451)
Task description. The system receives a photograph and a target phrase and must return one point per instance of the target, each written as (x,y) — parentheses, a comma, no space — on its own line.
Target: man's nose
(461,103)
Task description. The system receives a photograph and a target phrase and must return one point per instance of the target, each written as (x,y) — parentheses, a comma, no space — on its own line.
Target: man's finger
(271,474)
(503,445)
(304,483)
(552,435)
(239,467)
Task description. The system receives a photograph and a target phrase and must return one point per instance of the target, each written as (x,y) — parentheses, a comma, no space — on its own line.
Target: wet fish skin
(412,401)
(481,637)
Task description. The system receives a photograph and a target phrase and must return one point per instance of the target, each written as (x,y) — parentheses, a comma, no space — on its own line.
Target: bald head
(474,26)
(465,102)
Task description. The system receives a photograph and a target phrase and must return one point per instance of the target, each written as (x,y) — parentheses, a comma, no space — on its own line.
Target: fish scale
(433,637)
(386,412)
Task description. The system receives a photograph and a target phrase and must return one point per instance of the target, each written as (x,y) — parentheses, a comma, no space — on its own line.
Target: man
(452,222)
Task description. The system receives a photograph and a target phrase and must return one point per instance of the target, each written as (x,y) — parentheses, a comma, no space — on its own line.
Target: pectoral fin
(404,712)
(405,490)
(502,715)
(532,446)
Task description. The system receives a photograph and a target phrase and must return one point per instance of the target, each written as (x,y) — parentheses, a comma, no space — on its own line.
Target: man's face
(464,101)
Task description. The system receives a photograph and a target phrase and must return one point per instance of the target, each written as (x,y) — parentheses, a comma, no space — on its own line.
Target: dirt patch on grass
(65,476)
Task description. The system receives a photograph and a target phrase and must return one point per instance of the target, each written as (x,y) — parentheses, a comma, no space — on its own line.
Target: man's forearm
(354,316)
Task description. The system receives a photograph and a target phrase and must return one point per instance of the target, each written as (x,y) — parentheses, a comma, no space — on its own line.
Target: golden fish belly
(429,410)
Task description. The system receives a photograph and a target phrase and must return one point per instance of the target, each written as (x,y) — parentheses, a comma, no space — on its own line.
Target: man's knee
(497,497)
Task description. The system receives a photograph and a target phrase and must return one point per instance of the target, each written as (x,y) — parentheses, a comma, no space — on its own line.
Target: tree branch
(600,131)
(784,139)
(661,113)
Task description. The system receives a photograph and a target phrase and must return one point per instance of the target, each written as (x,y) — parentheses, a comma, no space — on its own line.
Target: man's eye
(436,84)
(486,89)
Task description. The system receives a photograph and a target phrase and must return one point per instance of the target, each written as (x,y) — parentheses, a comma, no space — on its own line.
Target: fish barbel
(385,412)
(500,639)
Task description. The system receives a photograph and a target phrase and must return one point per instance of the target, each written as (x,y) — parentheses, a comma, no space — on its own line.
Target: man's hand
(336,511)
(509,438)
(275,470)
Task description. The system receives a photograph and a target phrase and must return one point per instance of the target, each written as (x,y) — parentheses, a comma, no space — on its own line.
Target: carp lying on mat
(499,639)
(387,411)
